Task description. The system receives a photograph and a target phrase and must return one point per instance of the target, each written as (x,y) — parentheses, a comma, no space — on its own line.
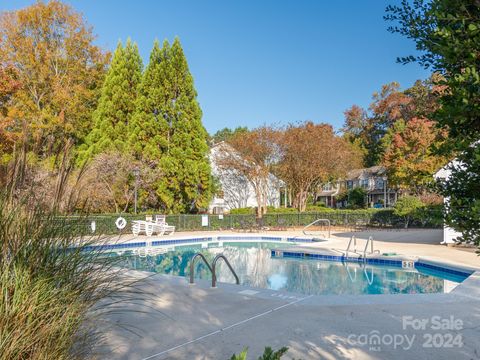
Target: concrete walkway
(174,320)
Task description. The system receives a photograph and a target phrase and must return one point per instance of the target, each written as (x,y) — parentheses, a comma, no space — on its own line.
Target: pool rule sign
(204,220)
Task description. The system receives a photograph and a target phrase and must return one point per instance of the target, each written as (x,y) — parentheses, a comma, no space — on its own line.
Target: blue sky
(269,61)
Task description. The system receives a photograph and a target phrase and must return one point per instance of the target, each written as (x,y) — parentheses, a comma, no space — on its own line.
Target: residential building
(373,180)
(237,191)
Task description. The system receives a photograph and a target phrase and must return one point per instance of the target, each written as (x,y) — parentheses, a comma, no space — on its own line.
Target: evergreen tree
(116,105)
(148,130)
(168,132)
(188,137)
(227,134)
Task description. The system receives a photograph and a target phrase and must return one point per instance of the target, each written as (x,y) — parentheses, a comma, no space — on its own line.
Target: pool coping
(189,240)
(395,261)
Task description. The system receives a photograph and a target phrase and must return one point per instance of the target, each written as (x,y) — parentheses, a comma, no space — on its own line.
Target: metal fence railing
(105,224)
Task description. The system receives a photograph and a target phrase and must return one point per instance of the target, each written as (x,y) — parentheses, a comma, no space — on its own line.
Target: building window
(218,210)
(364,183)
(379,184)
(349,184)
(327,187)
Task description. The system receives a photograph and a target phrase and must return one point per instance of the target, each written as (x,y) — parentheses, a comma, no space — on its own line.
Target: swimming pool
(256,267)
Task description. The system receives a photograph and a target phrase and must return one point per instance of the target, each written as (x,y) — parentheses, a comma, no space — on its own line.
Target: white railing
(353,239)
(315,222)
(369,242)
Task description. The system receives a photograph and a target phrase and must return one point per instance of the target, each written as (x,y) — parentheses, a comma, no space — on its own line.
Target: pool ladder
(353,240)
(212,268)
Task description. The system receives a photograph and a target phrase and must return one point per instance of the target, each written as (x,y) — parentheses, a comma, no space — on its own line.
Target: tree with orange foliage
(367,129)
(312,154)
(59,70)
(252,155)
(409,144)
(390,105)
(356,130)
(9,84)
(409,157)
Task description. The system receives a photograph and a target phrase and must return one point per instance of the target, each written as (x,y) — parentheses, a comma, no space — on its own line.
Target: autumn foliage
(448,34)
(303,156)
(252,155)
(58,71)
(397,131)
(311,155)
(409,155)
(56,96)
(9,85)
(69,123)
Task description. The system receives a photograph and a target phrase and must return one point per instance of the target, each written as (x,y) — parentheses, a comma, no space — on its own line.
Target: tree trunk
(302,200)
(259,212)
(296,201)
(260,197)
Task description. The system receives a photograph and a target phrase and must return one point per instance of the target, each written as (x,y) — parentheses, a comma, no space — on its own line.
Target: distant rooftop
(365,173)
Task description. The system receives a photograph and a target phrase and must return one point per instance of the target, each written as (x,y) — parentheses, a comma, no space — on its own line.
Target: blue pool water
(256,267)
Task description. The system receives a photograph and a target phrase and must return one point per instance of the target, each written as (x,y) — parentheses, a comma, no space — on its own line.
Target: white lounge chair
(159,226)
(162,227)
(141,226)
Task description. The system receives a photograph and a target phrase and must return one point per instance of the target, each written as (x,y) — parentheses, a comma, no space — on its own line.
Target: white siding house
(237,190)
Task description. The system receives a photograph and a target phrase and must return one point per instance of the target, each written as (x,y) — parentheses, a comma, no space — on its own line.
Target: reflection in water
(255,267)
(277,281)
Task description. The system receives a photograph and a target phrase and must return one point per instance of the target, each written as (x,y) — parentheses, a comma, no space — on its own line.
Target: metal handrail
(369,241)
(313,223)
(354,239)
(214,274)
(192,266)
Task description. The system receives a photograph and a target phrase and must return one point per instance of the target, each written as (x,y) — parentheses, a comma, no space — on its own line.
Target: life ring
(121,223)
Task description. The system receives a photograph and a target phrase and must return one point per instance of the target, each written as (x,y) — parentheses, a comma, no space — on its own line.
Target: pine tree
(188,139)
(148,131)
(116,105)
(168,131)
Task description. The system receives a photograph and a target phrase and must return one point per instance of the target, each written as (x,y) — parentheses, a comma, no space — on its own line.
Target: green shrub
(357,198)
(320,207)
(407,207)
(431,216)
(243,211)
(281,210)
(268,354)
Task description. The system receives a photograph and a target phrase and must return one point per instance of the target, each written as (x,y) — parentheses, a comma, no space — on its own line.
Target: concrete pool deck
(174,320)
